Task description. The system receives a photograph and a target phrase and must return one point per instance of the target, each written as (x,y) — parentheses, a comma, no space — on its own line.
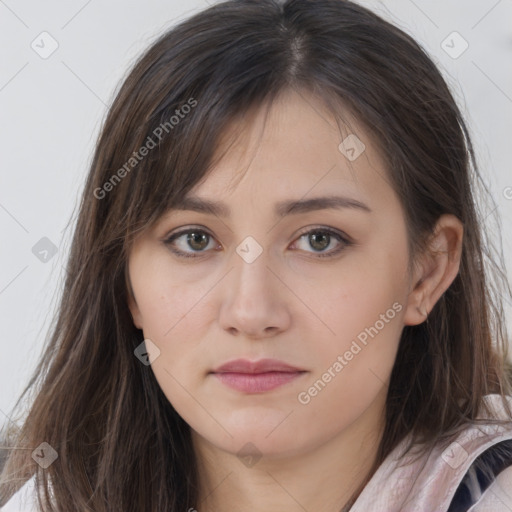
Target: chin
(256,442)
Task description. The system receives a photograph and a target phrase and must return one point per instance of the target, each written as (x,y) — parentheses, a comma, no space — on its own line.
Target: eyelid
(320,227)
(303,231)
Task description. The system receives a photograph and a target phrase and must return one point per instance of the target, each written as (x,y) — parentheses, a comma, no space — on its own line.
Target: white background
(51,111)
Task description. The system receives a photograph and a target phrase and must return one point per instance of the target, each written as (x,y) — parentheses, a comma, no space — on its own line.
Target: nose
(254,300)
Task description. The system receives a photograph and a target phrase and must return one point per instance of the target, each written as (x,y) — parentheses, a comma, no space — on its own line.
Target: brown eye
(321,238)
(196,240)
(187,242)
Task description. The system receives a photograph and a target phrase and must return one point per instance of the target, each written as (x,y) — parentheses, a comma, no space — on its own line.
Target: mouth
(256,382)
(256,377)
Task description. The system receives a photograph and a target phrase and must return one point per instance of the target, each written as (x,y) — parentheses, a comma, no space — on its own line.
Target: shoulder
(479,459)
(498,496)
(486,482)
(24,500)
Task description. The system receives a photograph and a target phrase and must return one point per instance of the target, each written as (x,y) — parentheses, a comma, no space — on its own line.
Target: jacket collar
(411,484)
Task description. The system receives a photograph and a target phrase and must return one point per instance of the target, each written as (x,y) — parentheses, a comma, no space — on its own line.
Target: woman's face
(321,287)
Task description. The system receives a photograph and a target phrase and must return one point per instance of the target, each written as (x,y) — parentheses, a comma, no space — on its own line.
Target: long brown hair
(120,443)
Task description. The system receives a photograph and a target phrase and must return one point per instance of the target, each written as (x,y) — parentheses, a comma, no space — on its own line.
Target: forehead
(294,156)
(295,147)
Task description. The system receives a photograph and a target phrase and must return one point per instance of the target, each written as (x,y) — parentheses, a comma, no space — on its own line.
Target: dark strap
(484,468)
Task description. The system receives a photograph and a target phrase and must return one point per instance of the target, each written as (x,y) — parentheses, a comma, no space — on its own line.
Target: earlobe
(417,309)
(438,268)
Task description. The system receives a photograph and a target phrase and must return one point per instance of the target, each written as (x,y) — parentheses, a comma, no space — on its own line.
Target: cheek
(361,307)
(169,300)
(176,318)
(352,297)
(353,364)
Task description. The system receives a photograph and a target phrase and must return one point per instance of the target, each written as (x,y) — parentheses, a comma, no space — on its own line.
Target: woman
(276,296)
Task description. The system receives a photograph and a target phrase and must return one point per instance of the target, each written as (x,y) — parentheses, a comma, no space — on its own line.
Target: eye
(199,241)
(196,239)
(321,238)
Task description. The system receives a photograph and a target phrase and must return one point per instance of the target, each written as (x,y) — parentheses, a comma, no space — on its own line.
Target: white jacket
(399,485)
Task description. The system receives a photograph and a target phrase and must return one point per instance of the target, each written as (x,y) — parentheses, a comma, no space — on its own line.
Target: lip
(258,376)
(260,366)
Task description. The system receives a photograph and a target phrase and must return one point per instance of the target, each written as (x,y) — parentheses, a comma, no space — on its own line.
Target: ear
(436,269)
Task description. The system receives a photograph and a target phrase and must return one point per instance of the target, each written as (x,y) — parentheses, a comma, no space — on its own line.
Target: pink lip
(258,376)
(261,366)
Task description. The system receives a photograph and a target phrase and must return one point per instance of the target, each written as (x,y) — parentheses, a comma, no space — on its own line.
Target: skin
(289,304)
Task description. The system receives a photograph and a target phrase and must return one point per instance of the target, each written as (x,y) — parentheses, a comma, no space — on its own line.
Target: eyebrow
(281,209)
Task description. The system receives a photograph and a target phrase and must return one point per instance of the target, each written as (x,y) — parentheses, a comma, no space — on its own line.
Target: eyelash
(346,242)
